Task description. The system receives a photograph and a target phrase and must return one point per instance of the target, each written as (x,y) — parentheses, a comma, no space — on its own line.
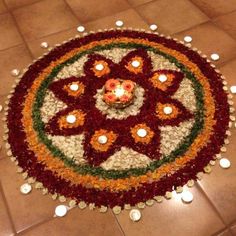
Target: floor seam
(7,209)
(117,221)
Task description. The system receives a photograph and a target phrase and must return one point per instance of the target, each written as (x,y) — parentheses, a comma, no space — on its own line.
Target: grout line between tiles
(211,203)
(220,231)
(21,6)
(7,209)
(117,221)
(70,9)
(18,28)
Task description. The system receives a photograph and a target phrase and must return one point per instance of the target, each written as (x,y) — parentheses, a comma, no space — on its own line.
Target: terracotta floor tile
(2,7)
(79,222)
(172,217)
(5,226)
(180,16)
(138,2)
(12,4)
(17,57)
(53,39)
(225,233)
(29,209)
(229,71)
(44,18)
(216,7)
(93,9)
(233,229)
(209,39)
(220,185)
(9,34)
(129,17)
(227,22)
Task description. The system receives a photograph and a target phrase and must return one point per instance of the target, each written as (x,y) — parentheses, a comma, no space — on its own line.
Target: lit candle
(141,133)
(224,163)
(168,110)
(187,197)
(25,188)
(74,87)
(102,139)
(119,92)
(61,210)
(71,119)
(135,215)
(135,63)
(162,78)
(99,67)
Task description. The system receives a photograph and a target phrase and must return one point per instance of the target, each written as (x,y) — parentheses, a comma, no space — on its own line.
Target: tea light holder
(135,215)
(60,210)
(25,188)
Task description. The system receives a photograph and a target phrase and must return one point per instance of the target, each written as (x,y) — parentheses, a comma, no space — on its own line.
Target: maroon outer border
(28,161)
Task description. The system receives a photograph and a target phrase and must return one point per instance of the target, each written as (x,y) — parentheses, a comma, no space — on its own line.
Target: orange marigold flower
(128,85)
(110,138)
(126,97)
(111,84)
(109,97)
(137,138)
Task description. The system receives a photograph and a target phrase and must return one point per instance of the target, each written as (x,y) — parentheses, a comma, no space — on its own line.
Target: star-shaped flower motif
(103,137)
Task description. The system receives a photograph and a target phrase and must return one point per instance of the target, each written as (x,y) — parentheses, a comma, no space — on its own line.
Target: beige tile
(130,18)
(216,7)
(44,18)
(180,16)
(9,36)
(17,57)
(79,222)
(172,217)
(93,9)
(27,210)
(227,23)
(5,226)
(209,39)
(53,39)
(16,3)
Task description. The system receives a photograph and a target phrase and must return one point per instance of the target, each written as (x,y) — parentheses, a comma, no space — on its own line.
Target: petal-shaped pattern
(69,90)
(67,122)
(135,64)
(167,81)
(171,112)
(99,66)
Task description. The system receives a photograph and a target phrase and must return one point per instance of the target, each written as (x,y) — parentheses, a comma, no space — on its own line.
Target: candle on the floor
(188,39)
(224,163)
(187,197)
(15,72)
(153,27)
(215,56)
(168,110)
(135,63)
(233,89)
(25,188)
(162,78)
(135,215)
(44,45)
(61,210)
(119,23)
(119,92)
(80,29)
(99,67)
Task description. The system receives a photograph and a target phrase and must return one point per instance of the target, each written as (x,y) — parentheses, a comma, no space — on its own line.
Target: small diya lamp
(119,93)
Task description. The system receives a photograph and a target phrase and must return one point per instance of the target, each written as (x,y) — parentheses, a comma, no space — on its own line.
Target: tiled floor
(24,24)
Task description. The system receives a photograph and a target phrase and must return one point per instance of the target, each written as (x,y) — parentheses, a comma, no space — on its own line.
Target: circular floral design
(67,137)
